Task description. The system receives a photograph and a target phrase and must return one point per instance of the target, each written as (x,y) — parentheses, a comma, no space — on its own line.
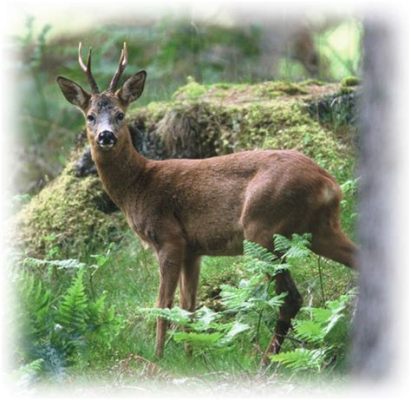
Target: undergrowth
(74,321)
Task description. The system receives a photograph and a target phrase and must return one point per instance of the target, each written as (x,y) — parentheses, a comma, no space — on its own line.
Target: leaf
(204,317)
(235,299)
(237,328)
(259,260)
(309,331)
(301,359)
(176,314)
(254,250)
(295,248)
(103,323)
(71,313)
(318,314)
(277,301)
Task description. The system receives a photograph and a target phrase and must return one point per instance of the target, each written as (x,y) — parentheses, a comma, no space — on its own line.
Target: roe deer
(189,208)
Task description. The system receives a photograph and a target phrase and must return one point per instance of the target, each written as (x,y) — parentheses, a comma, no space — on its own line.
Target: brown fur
(185,209)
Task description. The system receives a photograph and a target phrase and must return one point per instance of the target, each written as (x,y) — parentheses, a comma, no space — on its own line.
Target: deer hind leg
(284,283)
(171,261)
(189,282)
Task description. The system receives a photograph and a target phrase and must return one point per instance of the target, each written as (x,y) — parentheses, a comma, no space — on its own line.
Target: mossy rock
(200,121)
(68,218)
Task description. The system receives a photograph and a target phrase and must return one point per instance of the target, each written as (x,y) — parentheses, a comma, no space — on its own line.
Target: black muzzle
(106,139)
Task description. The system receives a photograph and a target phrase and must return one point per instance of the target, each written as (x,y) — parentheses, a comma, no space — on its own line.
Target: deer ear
(74,93)
(132,88)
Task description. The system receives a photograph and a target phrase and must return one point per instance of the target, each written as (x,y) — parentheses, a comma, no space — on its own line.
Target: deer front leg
(188,287)
(171,260)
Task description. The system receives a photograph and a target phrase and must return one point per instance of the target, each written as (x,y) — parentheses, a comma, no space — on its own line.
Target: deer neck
(119,169)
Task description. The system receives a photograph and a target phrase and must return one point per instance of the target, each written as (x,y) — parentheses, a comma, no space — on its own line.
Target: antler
(87,69)
(120,69)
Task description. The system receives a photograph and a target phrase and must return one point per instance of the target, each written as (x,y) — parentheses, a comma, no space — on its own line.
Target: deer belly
(219,244)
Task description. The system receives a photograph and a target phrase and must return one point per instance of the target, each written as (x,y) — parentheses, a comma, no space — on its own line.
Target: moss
(309,82)
(223,85)
(192,90)
(350,81)
(278,88)
(64,218)
(349,84)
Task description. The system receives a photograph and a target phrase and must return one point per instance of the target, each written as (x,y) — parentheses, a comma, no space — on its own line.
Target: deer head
(104,111)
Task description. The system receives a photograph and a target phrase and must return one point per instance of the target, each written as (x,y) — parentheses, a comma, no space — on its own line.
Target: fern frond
(72,310)
(309,331)
(295,248)
(301,359)
(34,303)
(176,314)
(103,323)
(258,252)
(235,298)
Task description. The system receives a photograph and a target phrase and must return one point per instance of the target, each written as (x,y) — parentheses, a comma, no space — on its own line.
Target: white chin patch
(106,146)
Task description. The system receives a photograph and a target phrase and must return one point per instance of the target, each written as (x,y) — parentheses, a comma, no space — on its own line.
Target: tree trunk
(373,339)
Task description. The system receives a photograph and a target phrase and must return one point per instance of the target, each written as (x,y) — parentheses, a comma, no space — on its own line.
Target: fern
(175,314)
(72,312)
(235,298)
(301,359)
(309,331)
(296,248)
(326,333)
(257,252)
(103,324)
(35,302)
(30,372)
(62,329)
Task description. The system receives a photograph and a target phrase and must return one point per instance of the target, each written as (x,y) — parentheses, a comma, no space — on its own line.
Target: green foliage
(247,317)
(248,308)
(301,359)
(71,314)
(59,340)
(294,249)
(339,49)
(60,329)
(350,81)
(323,337)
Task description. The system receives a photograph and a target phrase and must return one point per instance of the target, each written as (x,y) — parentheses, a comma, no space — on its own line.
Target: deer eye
(120,116)
(91,118)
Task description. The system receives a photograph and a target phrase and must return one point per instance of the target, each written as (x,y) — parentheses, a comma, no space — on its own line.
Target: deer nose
(106,139)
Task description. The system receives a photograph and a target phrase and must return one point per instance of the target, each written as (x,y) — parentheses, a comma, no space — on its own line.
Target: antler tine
(87,69)
(122,64)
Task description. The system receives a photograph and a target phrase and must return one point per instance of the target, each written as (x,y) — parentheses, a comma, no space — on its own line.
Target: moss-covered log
(73,212)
